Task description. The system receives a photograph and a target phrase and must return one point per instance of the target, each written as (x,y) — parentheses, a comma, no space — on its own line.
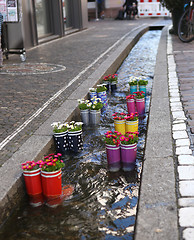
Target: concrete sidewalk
(48,91)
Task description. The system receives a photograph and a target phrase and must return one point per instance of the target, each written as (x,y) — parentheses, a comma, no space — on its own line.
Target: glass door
(67,14)
(43,18)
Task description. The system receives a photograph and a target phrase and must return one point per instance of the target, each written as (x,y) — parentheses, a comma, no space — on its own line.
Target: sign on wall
(114,3)
(9,10)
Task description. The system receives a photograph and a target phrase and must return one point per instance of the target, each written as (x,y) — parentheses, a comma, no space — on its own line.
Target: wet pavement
(19,103)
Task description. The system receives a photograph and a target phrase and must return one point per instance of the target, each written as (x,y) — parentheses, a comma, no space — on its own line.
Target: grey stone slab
(186,202)
(186,172)
(188,233)
(186,217)
(186,160)
(157,210)
(186,188)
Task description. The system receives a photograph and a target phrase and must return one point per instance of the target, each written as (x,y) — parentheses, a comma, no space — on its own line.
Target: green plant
(30,166)
(75,126)
(131,96)
(139,95)
(101,88)
(133,81)
(142,82)
(132,117)
(111,78)
(92,89)
(96,104)
(59,127)
(112,138)
(52,163)
(119,116)
(84,104)
(128,139)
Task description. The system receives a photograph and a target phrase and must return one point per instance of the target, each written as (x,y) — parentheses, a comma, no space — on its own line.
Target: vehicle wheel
(186,27)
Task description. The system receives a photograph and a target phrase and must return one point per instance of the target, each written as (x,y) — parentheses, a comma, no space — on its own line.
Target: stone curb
(157,208)
(39,144)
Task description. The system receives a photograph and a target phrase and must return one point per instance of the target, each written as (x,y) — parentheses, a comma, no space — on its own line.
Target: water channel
(104,204)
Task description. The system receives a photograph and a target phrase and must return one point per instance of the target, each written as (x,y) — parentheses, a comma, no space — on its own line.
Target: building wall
(77,14)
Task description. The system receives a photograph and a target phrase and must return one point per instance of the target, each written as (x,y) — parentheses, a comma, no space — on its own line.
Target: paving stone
(186,188)
(186,160)
(172,68)
(186,217)
(174,94)
(173,83)
(174,90)
(180,134)
(191,122)
(186,172)
(186,202)
(182,142)
(179,127)
(183,88)
(192,129)
(172,75)
(183,150)
(175,99)
(178,121)
(179,115)
(188,234)
(176,108)
(176,104)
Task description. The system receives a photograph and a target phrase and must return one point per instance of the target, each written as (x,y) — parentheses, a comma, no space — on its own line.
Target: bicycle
(186,24)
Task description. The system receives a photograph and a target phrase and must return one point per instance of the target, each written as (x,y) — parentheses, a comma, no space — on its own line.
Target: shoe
(172,31)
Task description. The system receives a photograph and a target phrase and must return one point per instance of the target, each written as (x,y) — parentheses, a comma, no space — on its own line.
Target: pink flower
(49,164)
(122,138)
(108,132)
(108,136)
(59,154)
(40,162)
(55,160)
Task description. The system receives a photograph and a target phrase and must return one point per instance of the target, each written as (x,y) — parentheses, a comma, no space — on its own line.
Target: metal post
(97,19)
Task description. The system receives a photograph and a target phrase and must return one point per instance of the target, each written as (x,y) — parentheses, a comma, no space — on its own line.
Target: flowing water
(103,204)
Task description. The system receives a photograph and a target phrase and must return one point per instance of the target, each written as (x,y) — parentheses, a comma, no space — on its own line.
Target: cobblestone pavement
(181,87)
(49,68)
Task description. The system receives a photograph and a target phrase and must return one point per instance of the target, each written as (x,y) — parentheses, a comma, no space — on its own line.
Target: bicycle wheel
(186,26)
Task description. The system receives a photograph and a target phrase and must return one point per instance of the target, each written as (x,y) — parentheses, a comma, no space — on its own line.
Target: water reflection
(104,204)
